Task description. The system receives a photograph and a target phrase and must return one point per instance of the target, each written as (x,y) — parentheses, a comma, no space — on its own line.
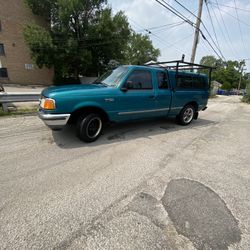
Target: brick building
(16,65)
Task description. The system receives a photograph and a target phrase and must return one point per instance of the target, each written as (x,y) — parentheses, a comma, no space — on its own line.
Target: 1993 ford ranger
(124,94)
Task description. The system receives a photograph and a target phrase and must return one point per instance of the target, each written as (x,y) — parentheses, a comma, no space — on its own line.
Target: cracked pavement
(144,185)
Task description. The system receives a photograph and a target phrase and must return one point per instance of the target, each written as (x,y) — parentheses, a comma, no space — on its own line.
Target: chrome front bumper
(54,121)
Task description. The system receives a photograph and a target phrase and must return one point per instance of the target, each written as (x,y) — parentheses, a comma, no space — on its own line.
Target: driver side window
(139,79)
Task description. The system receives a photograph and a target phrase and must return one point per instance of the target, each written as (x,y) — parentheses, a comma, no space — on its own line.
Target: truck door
(138,98)
(164,94)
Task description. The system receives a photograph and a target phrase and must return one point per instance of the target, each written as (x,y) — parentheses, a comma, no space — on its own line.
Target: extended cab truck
(124,94)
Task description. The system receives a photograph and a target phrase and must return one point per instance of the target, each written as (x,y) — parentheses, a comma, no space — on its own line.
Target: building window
(29,66)
(3,72)
(2,52)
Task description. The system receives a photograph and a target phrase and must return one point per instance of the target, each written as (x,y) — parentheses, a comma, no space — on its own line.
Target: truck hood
(72,89)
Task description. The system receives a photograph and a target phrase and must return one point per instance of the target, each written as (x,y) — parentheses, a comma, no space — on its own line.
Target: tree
(82,37)
(227,73)
(140,49)
(248,93)
(41,45)
(45,8)
(111,34)
(209,61)
(226,86)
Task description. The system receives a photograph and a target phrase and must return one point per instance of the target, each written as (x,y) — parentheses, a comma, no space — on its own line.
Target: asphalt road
(147,185)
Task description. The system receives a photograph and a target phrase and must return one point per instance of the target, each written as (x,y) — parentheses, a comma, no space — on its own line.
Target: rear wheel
(89,127)
(186,115)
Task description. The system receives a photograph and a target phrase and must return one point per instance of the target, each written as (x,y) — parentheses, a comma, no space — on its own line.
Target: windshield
(112,77)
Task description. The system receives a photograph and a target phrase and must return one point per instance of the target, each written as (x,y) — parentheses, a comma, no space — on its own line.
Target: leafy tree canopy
(140,49)
(83,37)
(227,73)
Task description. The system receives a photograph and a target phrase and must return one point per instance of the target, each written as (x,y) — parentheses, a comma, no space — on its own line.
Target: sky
(174,37)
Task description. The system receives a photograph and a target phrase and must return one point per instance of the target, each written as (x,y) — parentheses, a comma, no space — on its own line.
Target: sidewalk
(23,89)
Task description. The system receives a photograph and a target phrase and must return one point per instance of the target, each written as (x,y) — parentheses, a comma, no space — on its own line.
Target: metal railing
(6,98)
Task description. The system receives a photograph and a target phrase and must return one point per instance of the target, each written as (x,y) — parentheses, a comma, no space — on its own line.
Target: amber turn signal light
(48,104)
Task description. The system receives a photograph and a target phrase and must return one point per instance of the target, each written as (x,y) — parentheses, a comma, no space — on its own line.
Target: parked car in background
(127,93)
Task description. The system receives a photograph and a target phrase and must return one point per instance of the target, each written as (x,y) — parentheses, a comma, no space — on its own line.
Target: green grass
(246,99)
(18,112)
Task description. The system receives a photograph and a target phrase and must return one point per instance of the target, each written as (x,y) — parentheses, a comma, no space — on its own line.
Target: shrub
(246,98)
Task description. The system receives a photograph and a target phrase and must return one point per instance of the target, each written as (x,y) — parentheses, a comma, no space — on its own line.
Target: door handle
(109,99)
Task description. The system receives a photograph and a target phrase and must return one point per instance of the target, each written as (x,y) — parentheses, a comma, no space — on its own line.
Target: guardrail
(6,98)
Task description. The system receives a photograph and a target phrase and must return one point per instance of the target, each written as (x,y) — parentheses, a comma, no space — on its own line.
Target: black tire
(89,127)
(186,115)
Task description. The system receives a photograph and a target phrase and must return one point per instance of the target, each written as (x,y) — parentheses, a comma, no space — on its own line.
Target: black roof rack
(181,65)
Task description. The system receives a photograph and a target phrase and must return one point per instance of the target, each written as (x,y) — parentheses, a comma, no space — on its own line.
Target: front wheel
(89,127)
(186,115)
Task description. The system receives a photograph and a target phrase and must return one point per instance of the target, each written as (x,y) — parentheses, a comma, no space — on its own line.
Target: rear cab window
(191,82)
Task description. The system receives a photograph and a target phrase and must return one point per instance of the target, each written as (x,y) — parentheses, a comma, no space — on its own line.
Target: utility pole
(197,31)
(239,85)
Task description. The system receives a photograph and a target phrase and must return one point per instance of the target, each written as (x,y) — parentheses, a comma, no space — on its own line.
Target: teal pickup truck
(127,93)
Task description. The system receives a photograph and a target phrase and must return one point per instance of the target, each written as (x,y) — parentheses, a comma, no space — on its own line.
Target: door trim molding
(142,111)
(177,108)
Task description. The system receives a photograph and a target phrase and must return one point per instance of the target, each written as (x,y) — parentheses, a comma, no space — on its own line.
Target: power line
(202,25)
(170,25)
(242,40)
(208,49)
(169,44)
(212,23)
(158,30)
(177,24)
(177,13)
(156,36)
(212,47)
(169,29)
(187,9)
(228,39)
(180,40)
(223,5)
(238,19)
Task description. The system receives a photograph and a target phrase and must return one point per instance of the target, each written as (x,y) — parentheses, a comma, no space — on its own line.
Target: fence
(6,98)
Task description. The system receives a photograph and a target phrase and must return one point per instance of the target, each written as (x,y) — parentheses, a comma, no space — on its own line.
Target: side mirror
(128,85)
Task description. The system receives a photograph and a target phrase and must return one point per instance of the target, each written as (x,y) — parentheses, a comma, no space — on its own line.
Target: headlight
(48,103)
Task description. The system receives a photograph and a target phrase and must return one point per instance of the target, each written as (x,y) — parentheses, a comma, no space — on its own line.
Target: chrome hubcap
(188,115)
(94,127)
